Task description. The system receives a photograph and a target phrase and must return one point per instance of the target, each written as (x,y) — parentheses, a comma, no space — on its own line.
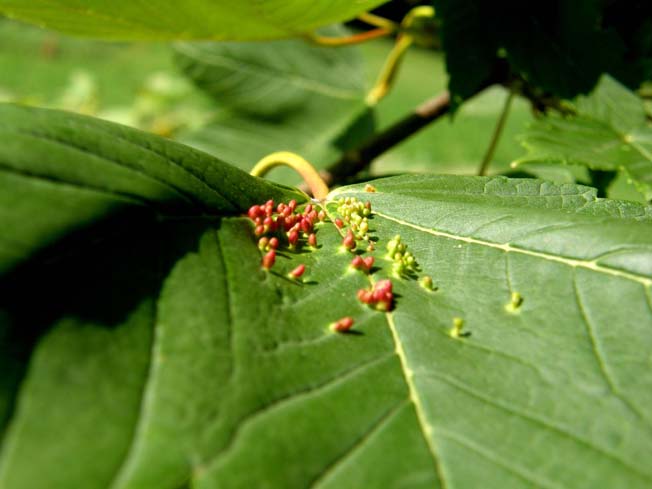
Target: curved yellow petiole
(348,40)
(378,21)
(420,12)
(310,175)
(403,41)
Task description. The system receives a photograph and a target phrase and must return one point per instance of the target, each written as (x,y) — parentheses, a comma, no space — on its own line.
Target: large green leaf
(279,96)
(196,19)
(61,172)
(610,132)
(247,387)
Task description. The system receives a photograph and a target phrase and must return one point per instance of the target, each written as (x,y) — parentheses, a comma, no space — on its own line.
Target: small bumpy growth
(516,300)
(343,325)
(380,297)
(362,264)
(403,261)
(456,330)
(355,213)
(283,225)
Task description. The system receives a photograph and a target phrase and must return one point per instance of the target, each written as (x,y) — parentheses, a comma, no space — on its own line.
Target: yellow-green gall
(427,283)
(516,300)
(456,330)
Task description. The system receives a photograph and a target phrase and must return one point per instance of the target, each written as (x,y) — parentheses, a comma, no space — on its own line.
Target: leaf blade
(610,132)
(566,368)
(61,172)
(279,96)
(200,19)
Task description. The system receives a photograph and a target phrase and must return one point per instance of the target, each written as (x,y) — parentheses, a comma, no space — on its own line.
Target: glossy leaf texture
(279,96)
(611,131)
(219,374)
(197,19)
(61,173)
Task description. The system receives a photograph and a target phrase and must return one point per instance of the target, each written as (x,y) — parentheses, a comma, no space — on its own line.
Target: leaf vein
(288,400)
(542,421)
(507,247)
(426,428)
(359,443)
(490,455)
(600,356)
(186,196)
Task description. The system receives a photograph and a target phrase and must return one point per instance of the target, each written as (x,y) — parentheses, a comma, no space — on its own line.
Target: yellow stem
(378,21)
(315,183)
(390,69)
(422,11)
(393,62)
(348,40)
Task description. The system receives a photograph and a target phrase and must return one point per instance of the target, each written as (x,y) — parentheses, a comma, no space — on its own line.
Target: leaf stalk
(310,175)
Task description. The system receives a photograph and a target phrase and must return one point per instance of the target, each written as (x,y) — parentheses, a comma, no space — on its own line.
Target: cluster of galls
(362,264)
(403,261)
(380,297)
(355,213)
(284,225)
(281,224)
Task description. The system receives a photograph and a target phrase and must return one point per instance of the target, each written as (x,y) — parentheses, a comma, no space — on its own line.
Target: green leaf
(61,172)
(279,96)
(559,47)
(96,308)
(610,132)
(198,19)
(247,387)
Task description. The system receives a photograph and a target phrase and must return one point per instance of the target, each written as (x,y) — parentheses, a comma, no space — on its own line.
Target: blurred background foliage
(140,85)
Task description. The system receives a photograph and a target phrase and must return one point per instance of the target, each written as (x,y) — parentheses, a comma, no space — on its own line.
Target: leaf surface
(198,19)
(61,172)
(610,132)
(247,386)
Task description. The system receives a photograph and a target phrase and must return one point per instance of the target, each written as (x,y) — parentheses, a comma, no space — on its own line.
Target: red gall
(269,259)
(298,271)
(293,237)
(343,325)
(349,241)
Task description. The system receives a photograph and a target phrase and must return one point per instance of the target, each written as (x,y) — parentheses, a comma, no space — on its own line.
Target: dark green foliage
(559,47)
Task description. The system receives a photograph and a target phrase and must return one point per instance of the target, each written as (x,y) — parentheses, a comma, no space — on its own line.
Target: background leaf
(279,96)
(247,387)
(610,132)
(199,19)
(559,48)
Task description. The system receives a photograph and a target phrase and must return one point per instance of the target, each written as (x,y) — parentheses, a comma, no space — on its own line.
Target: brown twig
(356,160)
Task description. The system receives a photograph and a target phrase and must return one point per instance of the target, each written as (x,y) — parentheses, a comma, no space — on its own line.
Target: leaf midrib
(408,373)
(508,248)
